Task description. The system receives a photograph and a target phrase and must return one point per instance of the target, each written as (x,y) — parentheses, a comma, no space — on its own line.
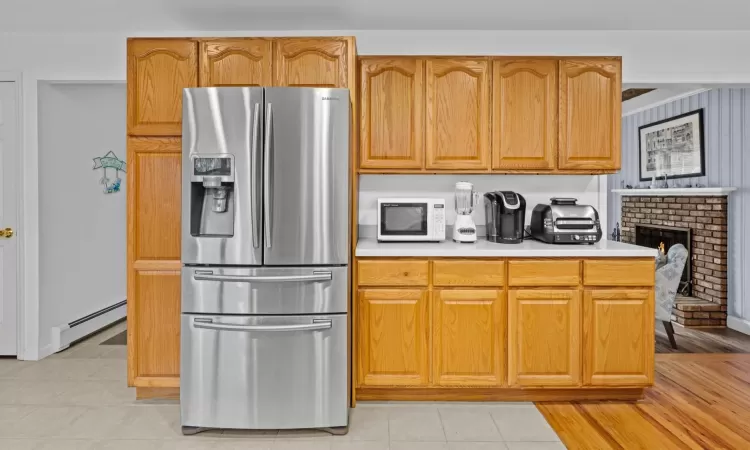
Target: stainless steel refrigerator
(265,250)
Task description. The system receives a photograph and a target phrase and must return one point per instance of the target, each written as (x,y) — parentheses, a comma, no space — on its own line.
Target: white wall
(81,229)
(535,189)
(648,57)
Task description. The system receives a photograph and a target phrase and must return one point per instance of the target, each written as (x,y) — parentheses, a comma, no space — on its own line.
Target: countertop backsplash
(535,189)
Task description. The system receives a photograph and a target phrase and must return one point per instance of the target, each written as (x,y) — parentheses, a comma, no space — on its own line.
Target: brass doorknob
(6,233)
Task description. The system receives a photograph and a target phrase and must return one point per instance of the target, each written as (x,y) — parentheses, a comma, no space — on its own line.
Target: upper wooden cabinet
(457,134)
(392,127)
(313,62)
(590,114)
(393,327)
(158,70)
(524,114)
(544,337)
(235,62)
(468,337)
(618,342)
(547,114)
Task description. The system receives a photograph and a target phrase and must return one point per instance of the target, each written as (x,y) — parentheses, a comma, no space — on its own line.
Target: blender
(464,230)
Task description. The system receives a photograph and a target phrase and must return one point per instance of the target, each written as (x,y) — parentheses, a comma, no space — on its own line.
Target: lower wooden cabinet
(504,329)
(544,330)
(468,337)
(618,337)
(154,329)
(393,342)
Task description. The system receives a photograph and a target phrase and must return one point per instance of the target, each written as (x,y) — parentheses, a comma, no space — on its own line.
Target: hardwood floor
(702,340)
(699,401)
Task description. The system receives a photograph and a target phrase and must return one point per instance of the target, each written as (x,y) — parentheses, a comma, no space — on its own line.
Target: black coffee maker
(505,216)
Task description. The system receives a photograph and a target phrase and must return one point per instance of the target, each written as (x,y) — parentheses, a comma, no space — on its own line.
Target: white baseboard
(738,324)
(63,335)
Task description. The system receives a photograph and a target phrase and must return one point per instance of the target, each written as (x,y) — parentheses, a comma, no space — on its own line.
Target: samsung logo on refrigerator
(331,98)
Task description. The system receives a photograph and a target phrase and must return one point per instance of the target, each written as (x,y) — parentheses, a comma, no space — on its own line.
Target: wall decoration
(110,161)
(672,147)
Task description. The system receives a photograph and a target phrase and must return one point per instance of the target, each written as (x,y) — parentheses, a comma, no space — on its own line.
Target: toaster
(563,221)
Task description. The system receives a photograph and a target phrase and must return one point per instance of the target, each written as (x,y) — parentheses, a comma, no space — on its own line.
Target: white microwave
(411,219)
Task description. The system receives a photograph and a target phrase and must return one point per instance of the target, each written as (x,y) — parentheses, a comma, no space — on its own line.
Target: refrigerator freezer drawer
(264,290)
(264,372)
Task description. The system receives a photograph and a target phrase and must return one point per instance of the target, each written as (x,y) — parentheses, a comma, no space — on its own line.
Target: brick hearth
(707,219)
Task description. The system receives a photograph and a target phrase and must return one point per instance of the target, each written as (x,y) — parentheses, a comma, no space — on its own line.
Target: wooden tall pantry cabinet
(158,71)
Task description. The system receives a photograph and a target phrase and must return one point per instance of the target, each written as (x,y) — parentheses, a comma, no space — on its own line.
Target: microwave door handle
(254,200)
(209,324)
(316,276)
(268,210)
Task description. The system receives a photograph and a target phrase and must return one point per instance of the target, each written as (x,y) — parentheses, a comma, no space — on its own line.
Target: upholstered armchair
(667,281)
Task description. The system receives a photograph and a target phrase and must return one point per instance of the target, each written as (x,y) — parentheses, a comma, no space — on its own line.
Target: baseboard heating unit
(65,334)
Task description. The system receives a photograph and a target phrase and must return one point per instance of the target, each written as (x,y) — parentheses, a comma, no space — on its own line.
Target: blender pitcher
(464,230)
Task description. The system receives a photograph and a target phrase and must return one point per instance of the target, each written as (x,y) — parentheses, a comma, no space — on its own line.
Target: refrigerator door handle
(268,211)
(209,324)
(254,200)
(316,276)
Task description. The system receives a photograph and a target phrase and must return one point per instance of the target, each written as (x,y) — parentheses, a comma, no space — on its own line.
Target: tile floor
(78,399)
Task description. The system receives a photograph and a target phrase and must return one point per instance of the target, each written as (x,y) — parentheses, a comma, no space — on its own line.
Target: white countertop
(482,248)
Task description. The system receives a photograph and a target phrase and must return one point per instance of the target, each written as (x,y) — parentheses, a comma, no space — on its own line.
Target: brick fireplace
(701,222)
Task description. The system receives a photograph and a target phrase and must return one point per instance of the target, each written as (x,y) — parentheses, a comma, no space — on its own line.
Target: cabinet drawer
(468,273)
(543,273)
(622,272)
(392,273)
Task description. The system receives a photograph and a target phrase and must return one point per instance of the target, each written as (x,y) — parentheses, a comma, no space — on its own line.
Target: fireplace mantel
(676,192)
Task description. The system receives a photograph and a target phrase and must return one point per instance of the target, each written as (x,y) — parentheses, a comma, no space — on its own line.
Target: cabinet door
(158,70)
(468,337)
(393,337)
(153,258)
(235,62)
(392,113)
(457,132)
(154,198)
(524,114)
(154,328)
(316,62)
(544,331)
(618,337)
(590,114)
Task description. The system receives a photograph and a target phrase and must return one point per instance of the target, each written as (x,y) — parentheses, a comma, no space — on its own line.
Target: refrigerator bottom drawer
(264,372)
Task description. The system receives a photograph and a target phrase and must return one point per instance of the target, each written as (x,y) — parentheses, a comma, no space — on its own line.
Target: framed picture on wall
(673,147)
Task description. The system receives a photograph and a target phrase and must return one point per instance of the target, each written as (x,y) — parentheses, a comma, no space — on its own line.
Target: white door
(9,180)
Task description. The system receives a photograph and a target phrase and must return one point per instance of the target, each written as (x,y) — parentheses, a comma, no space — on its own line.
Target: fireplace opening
(653,236)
